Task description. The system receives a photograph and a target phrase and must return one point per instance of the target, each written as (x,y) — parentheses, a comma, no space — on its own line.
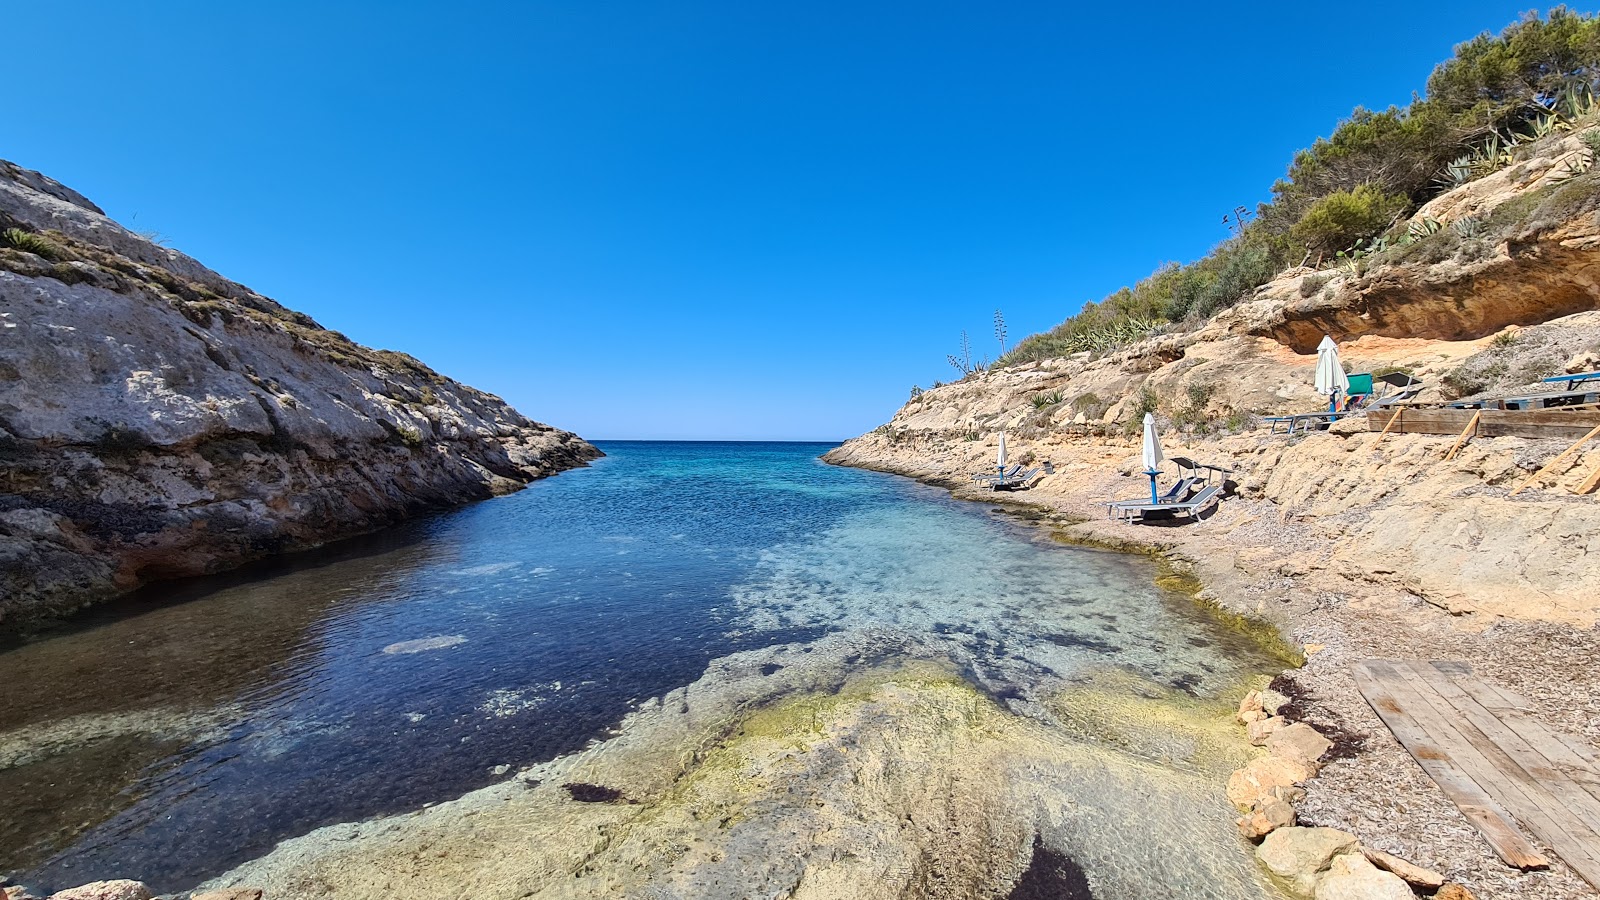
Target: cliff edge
(158,420)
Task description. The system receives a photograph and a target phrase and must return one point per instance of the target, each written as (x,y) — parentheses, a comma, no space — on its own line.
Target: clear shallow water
(193,728)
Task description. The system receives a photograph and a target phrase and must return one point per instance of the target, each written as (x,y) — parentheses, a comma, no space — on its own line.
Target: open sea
(177,734)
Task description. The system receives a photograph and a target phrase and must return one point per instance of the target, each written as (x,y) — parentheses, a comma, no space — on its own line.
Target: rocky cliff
(1485,309)
(158,420)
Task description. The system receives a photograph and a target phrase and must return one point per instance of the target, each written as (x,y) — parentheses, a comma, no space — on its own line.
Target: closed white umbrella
(1331,379)
(1000,458)
(1151,455)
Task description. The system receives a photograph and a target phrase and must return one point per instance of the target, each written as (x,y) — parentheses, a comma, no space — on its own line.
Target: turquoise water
(197,725)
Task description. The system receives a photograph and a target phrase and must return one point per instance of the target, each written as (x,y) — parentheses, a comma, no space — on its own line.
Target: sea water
(174,735)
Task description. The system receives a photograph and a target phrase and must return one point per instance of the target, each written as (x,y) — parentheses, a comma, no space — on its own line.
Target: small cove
(173,740)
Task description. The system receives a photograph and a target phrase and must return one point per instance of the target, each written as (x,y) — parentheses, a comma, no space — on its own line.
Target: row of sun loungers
(1008,480)
(1405,389)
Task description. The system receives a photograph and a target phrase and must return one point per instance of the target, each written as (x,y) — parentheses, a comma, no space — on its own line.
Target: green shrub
(1342,218)
(1374,167)
(30,243)
(1145,403)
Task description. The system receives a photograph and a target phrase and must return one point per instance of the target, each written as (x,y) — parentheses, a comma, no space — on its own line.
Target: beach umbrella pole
(1152,473)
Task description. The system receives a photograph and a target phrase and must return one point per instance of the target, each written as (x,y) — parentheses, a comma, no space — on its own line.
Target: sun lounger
(1192,507)
(1306,421)
(1176,494)
(1011,483)
(1573,381)
(1013,472)
(1363,398)
(1405,387)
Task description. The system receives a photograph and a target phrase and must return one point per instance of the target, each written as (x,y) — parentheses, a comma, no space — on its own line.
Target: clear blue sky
(687,219)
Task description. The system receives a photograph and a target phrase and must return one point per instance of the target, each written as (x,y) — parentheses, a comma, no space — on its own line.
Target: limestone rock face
(1351,877)
(1300,855)
(158,420)
(106,890)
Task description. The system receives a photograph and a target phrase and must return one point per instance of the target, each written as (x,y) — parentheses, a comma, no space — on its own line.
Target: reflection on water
(172,740)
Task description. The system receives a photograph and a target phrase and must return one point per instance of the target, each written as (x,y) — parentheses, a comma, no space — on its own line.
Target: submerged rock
(423,644)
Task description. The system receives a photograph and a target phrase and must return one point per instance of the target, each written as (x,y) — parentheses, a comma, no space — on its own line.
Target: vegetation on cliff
(1347,195)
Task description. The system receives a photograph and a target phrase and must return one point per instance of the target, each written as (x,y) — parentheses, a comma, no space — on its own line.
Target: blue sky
(695,220)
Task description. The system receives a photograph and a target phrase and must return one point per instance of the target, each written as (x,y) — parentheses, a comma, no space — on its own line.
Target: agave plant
(1546,124)
(30,243)
(1467,226)
(1573,167)
(1576,99)
(1423,227)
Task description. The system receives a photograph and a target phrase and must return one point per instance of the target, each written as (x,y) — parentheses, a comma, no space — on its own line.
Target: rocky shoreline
(159,421)
(1365,805)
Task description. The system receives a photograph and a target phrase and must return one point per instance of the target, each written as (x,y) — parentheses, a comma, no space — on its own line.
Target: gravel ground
(1380,793)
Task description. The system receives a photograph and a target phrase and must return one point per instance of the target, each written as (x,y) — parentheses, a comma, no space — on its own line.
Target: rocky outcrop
(158,420)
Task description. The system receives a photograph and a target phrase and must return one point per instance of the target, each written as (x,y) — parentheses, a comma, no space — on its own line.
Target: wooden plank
(1590,482)
(1525,762)
(1470,752)
(1465,432)
(1538,423)
(1393,420)
(1420,421)
(1570,755)
(1493,822)
(1560,457)
(1552,806)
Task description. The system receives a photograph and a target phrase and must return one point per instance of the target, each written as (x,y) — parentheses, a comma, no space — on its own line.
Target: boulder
(1250,704)
(1351,877)
(1414,875)
(230,894)
(1258,779)
(15,892)
(1298,741)
(1264,818)
(1260,730)
(1272,701)
(1453,891)
(121,889)
(1290,794)
(1300,855)
(1251,716)
(1587,361)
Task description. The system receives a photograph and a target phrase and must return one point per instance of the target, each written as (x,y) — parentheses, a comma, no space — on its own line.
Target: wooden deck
(1500,767)
(1534,423)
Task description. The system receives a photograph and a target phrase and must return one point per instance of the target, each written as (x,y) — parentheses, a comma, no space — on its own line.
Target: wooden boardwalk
(1500,767)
